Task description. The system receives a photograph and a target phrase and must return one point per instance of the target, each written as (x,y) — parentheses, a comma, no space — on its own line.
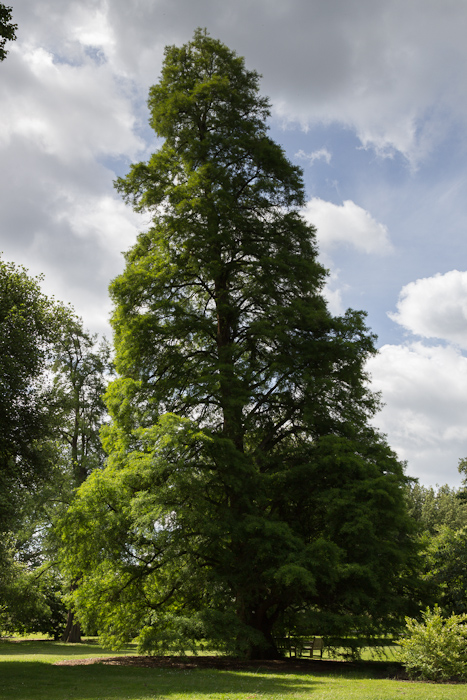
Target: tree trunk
(72,633)
(258,619)
(263,653)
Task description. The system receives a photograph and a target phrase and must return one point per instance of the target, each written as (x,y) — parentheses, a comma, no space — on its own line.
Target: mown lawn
(27,672)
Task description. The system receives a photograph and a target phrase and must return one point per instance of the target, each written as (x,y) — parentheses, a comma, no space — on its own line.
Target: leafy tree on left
(30,326)
(52,377)
(7,29)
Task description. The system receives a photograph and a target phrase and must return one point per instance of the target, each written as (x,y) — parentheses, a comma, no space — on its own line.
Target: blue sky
(368,96)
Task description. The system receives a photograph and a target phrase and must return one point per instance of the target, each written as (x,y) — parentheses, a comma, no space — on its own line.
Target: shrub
(436,648)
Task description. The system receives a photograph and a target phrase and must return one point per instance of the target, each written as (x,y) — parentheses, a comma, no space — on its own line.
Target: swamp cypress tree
(244,484)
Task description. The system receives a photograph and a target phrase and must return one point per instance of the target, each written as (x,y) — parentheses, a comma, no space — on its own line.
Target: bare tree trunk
(72,631)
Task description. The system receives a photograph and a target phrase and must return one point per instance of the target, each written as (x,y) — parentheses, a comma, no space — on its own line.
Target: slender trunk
(72,632)
(231,400)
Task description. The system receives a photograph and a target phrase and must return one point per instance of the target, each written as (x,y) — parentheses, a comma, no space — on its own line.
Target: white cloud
(104,219)
(64,108)
(391,70)
(425,387)
(321,154)
(91,27)
(435,307)
(333,291)
(65,221)
(347,224)
(68,111)
(79,251)
(425,412)
(379,67)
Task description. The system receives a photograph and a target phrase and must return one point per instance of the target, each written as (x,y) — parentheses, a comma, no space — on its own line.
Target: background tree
(447,552)
(446,569)
(244,482)
(53,375)
(436,508)
(29,328)
(80,373)
(81,370)
(441,516)
(30,600)
(7,29)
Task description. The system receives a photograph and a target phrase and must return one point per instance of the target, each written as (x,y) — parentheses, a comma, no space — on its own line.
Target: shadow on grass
(48,648)
(31,680)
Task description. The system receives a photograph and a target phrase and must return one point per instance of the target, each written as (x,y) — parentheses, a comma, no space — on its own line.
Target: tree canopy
(436,508)
(7,29)
(52,379)
(245,490)
(80,373)
(30,325)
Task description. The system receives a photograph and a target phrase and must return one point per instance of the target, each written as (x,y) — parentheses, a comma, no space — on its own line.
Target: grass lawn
(27,672)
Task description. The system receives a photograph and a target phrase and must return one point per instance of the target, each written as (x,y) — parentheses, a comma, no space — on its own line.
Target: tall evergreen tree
(244,484)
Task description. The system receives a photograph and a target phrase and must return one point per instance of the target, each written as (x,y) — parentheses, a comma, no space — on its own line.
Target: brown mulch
(191,662)
(231,664)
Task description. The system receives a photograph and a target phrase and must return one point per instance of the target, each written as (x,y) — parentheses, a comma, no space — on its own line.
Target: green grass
(27,672)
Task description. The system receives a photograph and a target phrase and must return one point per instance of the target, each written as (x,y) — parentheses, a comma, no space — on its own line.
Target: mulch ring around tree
(375,668)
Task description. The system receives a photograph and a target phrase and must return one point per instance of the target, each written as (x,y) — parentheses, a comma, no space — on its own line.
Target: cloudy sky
(368,96)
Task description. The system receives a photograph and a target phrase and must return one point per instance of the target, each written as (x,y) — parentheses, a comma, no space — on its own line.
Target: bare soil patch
(380,669)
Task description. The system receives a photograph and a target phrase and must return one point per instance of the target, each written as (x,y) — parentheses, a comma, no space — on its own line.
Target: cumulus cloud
(347,224)
(320,154)
(64,220)
(65,112)
(425,387)
(390,71)
(68,111)
(79,250)
(425,412)
(435,307)
(333,291)
(381,68)
(76,243)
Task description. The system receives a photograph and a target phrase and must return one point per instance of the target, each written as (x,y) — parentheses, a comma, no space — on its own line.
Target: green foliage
(441,516)
(52,378)
(434,509)
(80,373)
(30,600)
(29,327)
(244,482)
(81,369)
(7,29)
(462,468)
(447,569)
(436,648)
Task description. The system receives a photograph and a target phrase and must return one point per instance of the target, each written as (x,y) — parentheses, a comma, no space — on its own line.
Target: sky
(369,97)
